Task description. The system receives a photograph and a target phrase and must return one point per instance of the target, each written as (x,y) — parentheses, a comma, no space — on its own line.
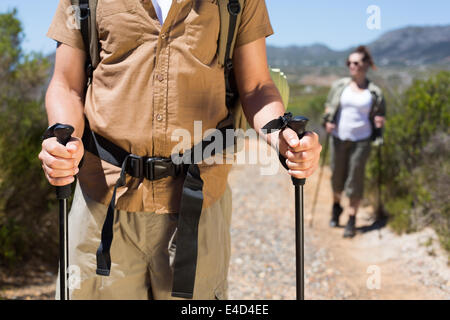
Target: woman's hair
(367,57)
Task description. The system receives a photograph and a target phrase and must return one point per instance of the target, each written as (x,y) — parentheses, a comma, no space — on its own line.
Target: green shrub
(309,101)
(12,242)
(415,162)
(400,221)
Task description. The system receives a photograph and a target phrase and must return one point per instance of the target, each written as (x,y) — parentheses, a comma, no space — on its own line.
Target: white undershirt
(162,8)
(353,118)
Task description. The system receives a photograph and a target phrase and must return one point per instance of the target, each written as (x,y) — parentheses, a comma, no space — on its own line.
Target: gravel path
(410,266)
(263,241)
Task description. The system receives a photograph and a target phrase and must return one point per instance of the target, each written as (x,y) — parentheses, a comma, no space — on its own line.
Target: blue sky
(338,24)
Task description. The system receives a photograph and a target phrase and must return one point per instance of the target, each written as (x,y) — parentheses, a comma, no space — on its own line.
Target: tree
(24,192)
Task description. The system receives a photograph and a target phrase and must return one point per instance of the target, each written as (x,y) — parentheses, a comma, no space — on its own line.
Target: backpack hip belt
(155,168)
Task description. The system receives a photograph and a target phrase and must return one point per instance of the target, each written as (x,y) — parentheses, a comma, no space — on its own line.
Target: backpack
(230,17)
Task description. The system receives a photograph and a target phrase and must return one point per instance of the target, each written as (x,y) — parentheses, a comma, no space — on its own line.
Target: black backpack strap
(185,264)
(87,21)
(85,24)
(234,10)
(230,16)
(102,147)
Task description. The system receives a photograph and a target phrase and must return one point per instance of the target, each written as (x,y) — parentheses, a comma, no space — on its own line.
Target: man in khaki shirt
(151,80)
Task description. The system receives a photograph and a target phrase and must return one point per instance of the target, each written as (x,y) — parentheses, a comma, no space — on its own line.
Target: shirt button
(159,117)
(160,77)
(163,35)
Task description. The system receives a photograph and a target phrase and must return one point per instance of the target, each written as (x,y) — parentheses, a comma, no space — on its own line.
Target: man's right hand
(330,127)
(65,100)
(60,163)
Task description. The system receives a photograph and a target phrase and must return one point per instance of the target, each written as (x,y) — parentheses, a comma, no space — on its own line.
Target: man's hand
(261,103)
(65,104)
(302,156)
(60,163)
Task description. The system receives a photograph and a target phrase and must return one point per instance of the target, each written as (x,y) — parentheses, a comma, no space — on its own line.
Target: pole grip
(63,133)
(298,124)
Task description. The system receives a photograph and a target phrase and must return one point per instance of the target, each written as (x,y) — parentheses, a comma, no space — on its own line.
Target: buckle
(152,168)
(158,168)
(234,8)
(85,11)
(135,166)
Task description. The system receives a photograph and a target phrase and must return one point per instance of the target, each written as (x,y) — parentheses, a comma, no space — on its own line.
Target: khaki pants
(348,165)
(142,252)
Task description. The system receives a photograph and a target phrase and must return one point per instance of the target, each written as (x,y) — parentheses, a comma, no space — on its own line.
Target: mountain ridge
(407,46)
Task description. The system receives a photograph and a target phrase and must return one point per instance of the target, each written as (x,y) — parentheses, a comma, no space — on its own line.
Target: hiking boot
(336,212)
(350,229)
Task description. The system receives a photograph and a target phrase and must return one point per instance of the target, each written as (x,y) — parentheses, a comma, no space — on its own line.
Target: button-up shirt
(151,80)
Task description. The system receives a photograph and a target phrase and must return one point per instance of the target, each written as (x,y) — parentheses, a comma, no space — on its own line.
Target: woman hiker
(354,115)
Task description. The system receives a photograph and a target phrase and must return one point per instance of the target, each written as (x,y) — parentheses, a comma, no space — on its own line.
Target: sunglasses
(355,63)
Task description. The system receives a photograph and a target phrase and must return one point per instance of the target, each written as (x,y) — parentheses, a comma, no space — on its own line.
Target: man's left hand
(302,156)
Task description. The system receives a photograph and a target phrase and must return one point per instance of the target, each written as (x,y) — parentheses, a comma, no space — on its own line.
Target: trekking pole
(63,134)
(324,159)
(380,210)
(298,124)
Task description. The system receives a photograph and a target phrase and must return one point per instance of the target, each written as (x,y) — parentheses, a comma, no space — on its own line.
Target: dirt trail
(403,262)
(263,252)
(263,265)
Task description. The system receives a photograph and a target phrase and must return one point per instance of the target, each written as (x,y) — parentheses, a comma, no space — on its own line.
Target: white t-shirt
(353,118)
(162,8)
